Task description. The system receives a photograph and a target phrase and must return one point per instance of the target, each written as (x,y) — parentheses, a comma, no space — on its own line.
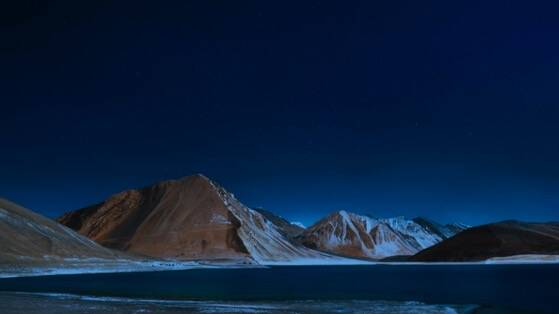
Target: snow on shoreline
(96,266)
(507,260)
(319,262)
(524,259)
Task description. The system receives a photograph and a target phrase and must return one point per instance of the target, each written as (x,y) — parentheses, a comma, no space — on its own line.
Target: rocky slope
(361,236)
(508,238)
(192,218)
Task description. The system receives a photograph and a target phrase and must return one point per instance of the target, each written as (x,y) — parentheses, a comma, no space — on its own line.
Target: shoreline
(156,266)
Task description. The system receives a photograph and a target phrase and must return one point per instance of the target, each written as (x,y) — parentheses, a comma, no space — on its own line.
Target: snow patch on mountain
(219,219)
(298,224)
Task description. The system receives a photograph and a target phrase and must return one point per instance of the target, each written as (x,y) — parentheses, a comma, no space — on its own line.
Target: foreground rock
(361,236)
(503,239)
(192,218)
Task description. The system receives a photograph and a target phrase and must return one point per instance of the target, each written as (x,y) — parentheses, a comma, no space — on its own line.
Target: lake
(297,289)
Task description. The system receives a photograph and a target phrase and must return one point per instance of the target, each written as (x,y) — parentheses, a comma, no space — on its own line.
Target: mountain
(354,235)
(28,238)
(192,218)
(507,238)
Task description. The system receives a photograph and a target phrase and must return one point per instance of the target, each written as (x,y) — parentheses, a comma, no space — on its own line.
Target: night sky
(446,109)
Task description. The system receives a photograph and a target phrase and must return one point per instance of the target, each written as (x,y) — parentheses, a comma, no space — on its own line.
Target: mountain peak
(200,176)
(185,218)
(194,177)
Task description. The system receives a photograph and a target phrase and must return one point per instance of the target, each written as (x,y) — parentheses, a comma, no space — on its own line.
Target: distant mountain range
(194,218)
(362,236)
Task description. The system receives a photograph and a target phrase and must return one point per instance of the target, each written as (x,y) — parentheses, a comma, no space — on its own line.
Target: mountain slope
(26,237)
(507,238)
(360,236)
(189,218)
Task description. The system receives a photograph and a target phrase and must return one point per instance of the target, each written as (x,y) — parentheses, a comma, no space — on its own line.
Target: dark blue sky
(446,109)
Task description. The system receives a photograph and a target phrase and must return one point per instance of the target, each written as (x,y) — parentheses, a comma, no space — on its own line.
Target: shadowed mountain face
(287,228)
(29,238)
(443,231)
(361,236)
(501,239)
(190,218)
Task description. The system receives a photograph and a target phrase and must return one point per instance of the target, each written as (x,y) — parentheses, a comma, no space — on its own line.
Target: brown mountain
(189,218)
(27,238)
(501,239)
(178,218)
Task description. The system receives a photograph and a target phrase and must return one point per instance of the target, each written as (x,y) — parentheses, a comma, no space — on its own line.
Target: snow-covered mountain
(192,218)
(354,235)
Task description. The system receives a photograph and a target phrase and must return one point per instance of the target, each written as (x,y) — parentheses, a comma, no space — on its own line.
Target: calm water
(359,289)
